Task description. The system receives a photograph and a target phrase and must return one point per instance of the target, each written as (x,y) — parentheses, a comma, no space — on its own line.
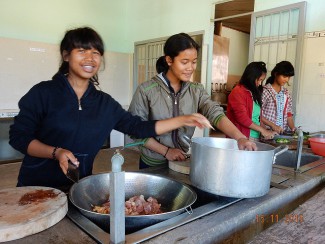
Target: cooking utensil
(173,196)
(72,172)
(219,167)
(283,137)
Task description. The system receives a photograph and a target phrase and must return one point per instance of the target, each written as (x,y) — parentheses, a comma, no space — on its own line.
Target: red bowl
(317,145)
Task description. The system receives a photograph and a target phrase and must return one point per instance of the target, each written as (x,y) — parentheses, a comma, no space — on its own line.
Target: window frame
(299,47)
(160,41)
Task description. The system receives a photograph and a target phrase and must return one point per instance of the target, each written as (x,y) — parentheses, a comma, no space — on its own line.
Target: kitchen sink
(288,159)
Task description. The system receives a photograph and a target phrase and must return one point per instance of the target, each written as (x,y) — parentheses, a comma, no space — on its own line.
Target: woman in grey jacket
(170,94)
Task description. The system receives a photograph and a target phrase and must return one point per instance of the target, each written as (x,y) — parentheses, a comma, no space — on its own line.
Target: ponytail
(161,65)
(270,80)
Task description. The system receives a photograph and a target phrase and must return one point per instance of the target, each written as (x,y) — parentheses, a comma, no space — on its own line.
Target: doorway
(232,26)
(275,35)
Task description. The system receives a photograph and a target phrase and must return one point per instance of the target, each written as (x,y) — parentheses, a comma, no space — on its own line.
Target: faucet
(117,199)
(117,196)
(299,147)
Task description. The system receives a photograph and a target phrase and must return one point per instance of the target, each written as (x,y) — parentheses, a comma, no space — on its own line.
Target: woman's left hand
(245,144)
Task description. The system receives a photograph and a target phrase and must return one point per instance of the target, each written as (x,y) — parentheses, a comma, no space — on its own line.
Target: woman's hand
(268,134)
(63,155)
(198,120)
(277,129)
(245,144)
(175,154)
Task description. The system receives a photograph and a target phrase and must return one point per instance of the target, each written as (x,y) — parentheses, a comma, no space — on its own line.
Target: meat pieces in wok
(136,205)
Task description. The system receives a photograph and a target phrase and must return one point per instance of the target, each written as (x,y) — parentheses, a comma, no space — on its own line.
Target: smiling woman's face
(83,63)
(183,65)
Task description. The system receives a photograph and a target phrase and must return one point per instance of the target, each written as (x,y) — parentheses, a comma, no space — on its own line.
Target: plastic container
(317,145)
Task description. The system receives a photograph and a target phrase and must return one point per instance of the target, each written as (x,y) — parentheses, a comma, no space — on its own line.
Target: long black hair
(173,46)
(252,72)
(84,37)
(283,68)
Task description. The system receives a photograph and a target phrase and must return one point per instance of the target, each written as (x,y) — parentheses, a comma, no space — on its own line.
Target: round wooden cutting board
(180,166)
(29,210)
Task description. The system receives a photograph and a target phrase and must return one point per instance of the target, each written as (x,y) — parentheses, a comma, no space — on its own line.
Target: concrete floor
(306,224)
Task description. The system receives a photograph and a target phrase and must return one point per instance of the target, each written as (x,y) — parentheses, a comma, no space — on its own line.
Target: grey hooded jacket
(153,100)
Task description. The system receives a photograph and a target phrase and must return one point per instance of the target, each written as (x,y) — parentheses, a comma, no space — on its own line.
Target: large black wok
(173,196)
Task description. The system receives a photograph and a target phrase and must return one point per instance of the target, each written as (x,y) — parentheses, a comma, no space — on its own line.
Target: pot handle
(279,150)
(186,140)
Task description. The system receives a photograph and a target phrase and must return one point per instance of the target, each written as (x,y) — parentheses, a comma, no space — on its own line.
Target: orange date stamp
(267,218)
(275,218)
(293,218)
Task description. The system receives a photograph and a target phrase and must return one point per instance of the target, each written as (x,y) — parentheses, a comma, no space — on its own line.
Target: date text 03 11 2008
(274,218)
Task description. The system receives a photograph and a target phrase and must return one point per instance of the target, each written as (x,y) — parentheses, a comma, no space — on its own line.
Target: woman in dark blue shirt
(68,116)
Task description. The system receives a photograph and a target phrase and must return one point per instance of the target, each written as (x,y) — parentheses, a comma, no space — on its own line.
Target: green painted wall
(167,17)
(119,22)
(123,22)
(47,20)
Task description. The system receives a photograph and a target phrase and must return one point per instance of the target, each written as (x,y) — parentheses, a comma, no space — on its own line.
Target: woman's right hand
(63,155)
(268,134)
(175,154)
(277,129)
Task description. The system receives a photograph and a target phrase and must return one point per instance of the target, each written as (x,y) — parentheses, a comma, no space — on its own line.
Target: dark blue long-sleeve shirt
(50,113)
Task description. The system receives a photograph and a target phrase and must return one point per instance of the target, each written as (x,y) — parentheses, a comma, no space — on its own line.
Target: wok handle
(189,210)
(279,150)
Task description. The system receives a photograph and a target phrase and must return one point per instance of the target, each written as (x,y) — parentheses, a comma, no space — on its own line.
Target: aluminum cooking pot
(219,167)
(173,196)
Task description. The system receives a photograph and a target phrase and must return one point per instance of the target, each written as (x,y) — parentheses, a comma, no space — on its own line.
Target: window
(277,35)
(146,54)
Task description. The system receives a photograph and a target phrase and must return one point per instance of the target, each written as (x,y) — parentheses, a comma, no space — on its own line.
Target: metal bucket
(219,167)
(173,196)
